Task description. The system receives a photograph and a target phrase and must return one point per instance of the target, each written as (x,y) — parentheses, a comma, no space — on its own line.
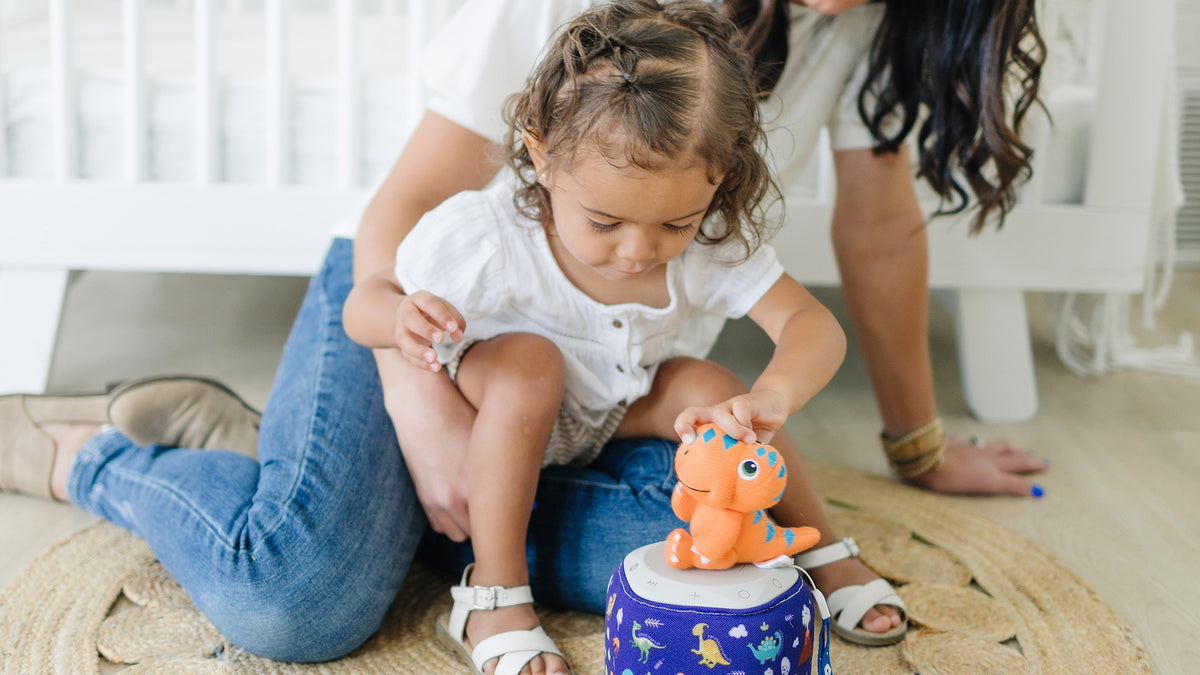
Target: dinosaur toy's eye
(748,469)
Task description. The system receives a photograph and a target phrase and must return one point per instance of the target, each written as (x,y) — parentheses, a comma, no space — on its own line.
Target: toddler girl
(580,293)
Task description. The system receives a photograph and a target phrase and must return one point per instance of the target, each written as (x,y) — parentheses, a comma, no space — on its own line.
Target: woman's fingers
(983,468)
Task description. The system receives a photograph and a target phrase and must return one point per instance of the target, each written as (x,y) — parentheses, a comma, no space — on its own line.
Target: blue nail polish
(1037,491)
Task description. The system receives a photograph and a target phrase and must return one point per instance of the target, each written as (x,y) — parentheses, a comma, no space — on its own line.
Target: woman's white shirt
(489,47)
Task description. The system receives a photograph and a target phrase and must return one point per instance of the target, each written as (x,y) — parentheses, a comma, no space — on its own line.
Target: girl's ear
(537,152)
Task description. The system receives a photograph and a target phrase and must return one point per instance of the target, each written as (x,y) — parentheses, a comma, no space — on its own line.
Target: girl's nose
(637,247)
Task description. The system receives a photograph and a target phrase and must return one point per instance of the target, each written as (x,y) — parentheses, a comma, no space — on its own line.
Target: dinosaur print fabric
(644,637)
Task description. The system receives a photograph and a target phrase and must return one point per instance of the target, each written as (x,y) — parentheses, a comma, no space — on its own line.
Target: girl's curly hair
(643,81)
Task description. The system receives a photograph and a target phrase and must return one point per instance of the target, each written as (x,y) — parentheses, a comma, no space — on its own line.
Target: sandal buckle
(851,546)
(485,597)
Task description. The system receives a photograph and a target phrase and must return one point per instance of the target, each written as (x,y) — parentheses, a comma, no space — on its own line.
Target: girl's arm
(809,348)
(379,314)
(809,343)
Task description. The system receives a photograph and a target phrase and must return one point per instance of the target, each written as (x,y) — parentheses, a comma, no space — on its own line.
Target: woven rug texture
(981,599)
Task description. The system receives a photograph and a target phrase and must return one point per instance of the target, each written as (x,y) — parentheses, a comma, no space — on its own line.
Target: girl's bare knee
(707,383)
(531,366)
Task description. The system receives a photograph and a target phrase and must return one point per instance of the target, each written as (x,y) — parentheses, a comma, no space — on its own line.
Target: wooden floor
(1122,505)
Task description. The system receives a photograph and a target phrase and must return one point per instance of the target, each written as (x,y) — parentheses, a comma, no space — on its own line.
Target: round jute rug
(981,599)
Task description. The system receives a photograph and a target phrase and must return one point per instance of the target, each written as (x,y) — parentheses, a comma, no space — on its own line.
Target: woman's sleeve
(455,253)
(484,54)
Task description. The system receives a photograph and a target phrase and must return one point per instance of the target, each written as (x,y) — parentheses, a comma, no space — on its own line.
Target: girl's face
(624,222)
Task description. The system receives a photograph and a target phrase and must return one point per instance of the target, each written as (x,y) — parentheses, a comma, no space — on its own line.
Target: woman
(298,555)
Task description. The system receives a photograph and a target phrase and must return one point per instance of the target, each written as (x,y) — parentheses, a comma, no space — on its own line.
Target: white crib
(125,145)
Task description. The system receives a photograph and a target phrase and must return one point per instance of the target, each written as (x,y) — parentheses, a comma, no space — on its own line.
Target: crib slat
(276,131)
(134,38)
(418,18)
(206,100)
(349,139)
(62,87)
(3,110)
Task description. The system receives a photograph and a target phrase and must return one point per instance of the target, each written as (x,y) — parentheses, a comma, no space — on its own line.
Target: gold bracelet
(918,452)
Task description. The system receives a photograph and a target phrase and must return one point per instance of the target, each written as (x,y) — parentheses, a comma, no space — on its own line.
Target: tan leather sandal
(185,412)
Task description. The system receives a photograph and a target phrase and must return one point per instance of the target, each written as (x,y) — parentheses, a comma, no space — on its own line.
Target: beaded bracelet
(918,452)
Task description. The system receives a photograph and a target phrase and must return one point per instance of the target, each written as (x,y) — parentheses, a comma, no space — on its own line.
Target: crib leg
(31,302)
(994,353)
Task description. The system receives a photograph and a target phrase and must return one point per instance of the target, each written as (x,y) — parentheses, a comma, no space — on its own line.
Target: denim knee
(295,628)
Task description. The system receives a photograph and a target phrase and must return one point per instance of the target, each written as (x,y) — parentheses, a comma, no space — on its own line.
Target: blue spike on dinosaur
(708,435)
(729,441)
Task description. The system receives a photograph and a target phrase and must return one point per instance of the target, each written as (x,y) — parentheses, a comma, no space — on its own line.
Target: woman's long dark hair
(971,66)
(960,60)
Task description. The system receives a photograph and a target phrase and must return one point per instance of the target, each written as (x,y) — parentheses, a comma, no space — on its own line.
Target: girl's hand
(422,320)
(749,417)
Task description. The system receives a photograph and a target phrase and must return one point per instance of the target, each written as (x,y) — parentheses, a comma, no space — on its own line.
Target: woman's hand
(422,320)
(749,417)
(995,467)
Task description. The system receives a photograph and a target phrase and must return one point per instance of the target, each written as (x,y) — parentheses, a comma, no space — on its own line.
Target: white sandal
(849,604)
(516,648)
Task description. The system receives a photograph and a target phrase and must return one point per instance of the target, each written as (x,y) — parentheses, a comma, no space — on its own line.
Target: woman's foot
(851,571)
(69,439)
(185,412)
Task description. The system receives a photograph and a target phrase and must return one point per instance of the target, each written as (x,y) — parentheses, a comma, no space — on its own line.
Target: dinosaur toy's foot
(678,551)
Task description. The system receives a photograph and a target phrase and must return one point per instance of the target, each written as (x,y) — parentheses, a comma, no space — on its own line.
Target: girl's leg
(585,520)
(298,556)
(515,382)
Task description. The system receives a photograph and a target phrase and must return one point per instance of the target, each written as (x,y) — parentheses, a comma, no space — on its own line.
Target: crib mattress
(26,98)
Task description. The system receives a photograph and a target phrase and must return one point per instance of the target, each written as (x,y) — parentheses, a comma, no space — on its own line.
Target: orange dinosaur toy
(724,489)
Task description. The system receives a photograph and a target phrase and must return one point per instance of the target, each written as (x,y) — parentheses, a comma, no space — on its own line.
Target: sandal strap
(850,604)
(468,599)
(838,550)
(515,649)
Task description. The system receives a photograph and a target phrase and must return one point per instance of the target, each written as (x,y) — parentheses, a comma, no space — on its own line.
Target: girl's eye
(748,469)
(678,229)
(602,227)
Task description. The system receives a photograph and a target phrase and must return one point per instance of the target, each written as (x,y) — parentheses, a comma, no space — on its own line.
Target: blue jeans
(298,556)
